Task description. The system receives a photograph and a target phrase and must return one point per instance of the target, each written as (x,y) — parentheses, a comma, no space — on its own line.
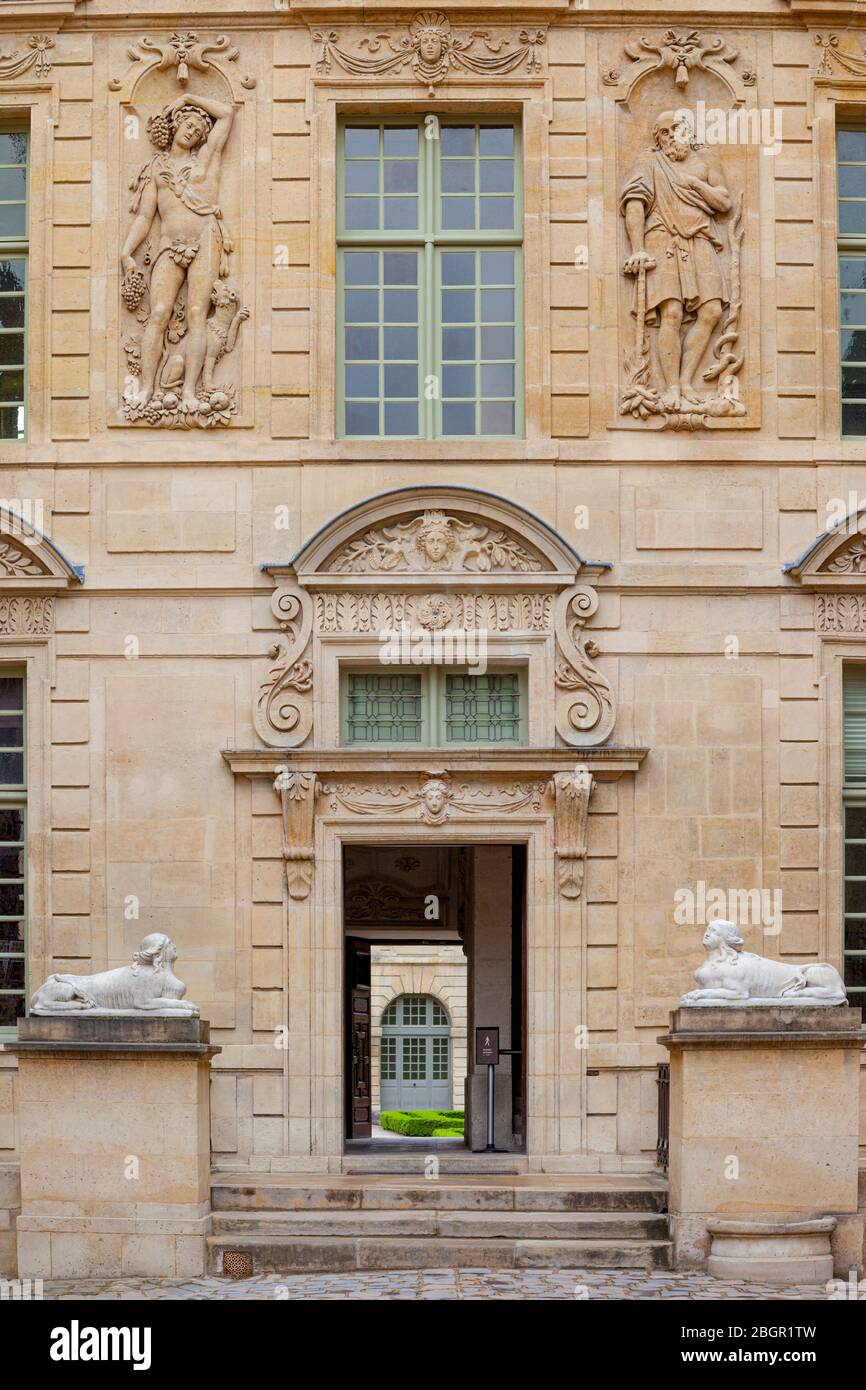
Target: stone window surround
(333,98)
(38,104)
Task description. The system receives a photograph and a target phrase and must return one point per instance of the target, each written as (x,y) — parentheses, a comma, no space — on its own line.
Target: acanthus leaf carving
(435,542)
(283,715)
(840,612)
(433,51)
(586,714)
(378,612)
(26,615)
(297,792)
(572,791)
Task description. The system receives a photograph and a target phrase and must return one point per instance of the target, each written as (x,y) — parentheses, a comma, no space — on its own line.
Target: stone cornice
(607,763)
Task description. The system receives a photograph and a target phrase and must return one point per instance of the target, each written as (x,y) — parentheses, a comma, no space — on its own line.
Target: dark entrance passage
(470,898)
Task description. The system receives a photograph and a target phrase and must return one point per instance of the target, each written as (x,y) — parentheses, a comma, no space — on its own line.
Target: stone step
(267,1193)
(303,1254)
(484,1225)
(419,1164)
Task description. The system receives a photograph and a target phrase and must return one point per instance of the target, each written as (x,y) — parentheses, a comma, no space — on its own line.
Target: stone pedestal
(115,1146)
(764,1119)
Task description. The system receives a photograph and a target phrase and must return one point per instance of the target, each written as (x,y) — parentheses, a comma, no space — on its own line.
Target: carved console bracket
(572,791)
(284,708)
(432,51)
(297,793)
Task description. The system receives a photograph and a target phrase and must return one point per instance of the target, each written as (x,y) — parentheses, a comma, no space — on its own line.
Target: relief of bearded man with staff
(670,204)
(180,186)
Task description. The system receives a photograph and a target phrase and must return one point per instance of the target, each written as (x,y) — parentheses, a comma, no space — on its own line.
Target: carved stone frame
(340,94)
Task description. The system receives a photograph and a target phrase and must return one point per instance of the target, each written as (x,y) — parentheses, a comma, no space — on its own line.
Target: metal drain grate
(237,1264)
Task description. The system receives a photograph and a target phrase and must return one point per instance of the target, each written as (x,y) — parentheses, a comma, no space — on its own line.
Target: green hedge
(438,1124)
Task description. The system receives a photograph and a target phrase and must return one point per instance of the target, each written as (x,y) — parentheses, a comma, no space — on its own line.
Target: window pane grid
(388,1056)
(384,708)
(414,1059)
(397,375)
(482,709)
(478,347)
(440,1059)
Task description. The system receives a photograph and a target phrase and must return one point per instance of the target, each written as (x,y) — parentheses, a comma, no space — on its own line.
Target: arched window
(415,1055)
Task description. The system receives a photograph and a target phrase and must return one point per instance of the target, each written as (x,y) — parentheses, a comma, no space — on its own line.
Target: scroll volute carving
(572,791)
(181,310)
(283,714)
(585,711)
(297,792)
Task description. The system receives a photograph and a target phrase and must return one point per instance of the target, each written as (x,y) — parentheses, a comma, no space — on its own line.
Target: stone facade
(206,571)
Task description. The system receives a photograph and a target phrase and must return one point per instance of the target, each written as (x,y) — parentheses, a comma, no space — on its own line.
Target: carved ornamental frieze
(181,306)
(33,59)
(419,575)
(682,125)
(32,573)
(431,51)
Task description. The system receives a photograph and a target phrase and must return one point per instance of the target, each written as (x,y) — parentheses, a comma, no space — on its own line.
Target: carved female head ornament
(435,538)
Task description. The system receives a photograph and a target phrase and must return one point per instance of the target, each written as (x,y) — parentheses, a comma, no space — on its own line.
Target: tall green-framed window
(13,848)
(13,282)
(854,812)
(429,323)
(433,707)
(851,231)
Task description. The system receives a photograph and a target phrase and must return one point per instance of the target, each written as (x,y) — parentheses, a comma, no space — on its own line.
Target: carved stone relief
(297,793)
(683,208)
(284,707)
(432,51)
(435,799)
(585,712)
(35,58)
(182,311)
(380,611)
(26,615)
(840,612)
(434,541)
(834,60)
(572,791)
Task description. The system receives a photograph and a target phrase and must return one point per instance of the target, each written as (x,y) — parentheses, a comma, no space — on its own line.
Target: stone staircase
(300,1223)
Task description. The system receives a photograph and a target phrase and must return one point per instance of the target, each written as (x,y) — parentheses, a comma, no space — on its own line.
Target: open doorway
(434,947)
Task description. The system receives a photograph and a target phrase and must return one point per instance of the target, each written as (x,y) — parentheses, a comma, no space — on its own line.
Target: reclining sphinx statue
(148,985)
(731,975)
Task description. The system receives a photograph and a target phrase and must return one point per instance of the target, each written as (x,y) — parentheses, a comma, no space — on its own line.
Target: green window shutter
(854,705)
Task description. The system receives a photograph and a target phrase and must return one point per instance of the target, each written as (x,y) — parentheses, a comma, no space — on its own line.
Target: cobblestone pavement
(439,1284)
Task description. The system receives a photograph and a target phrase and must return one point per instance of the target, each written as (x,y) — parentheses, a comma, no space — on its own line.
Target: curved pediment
(450,534)
(29,561)
(835,559)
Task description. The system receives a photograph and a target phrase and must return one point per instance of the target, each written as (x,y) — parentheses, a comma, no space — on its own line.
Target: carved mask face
(430,46)
(434,797)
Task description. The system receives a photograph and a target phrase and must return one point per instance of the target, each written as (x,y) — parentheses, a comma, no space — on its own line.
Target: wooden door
(359,1099)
